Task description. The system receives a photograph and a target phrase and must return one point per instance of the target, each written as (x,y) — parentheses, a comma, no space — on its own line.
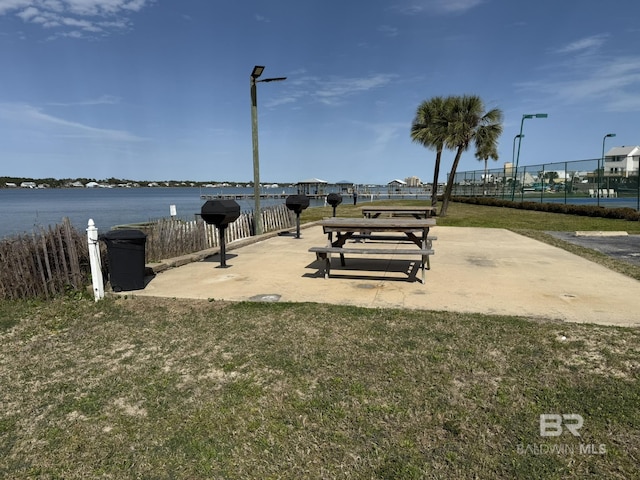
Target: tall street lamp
(600,171)
(513,154)
(257,71)
(524,117)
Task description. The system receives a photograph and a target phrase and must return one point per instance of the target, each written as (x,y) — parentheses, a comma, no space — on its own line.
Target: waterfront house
(621,162)
(312,186)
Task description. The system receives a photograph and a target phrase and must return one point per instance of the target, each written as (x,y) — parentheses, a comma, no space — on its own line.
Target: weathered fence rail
(54,260)
(44,264)
(168,238)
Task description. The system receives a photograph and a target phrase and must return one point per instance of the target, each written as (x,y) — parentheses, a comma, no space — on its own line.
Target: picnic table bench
(397,211)
(416,231)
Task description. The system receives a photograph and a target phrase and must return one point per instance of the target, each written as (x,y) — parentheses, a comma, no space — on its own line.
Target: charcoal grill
(297,203)
(334,199)
(220,213)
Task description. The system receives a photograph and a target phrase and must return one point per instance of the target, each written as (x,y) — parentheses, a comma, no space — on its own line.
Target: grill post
(223,246)
(297,203)
(334,199)
(221,213)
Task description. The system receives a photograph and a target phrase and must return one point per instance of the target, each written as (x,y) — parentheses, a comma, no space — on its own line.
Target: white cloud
(102,100)
(75,18)
(33,118)
(586,44)
(615,83)
(438,6)
(388,30)
(332,91)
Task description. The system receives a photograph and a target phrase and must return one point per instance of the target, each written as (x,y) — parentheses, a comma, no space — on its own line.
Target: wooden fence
(44,264)
(54,260)
(168,238)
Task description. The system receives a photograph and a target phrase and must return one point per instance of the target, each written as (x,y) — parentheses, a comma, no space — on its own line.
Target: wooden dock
(250,196)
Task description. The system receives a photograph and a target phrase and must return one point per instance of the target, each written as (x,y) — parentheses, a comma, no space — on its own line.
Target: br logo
(551,424)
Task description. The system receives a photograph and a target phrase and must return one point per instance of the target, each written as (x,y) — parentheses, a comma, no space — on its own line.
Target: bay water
(24,210)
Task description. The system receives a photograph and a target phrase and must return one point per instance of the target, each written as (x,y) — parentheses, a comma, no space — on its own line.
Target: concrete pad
(479,270)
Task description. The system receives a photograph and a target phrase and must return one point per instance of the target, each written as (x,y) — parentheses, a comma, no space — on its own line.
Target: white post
(94,259)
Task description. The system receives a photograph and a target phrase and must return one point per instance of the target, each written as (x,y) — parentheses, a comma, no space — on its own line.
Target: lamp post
(257,71)
(513,157)
(599,171)
(524,117)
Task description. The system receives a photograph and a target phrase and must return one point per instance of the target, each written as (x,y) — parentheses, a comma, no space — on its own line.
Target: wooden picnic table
(398,211)
(416,230)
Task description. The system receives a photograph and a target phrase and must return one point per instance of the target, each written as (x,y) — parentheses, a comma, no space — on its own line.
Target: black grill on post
(297,203)
(220,213)
(334,199)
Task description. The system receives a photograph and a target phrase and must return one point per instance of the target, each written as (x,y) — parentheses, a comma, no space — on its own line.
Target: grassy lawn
(180,389)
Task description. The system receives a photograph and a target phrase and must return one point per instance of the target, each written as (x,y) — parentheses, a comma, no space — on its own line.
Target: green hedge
(623,213)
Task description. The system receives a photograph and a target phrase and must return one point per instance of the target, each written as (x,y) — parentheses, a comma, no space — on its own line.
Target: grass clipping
(150,388)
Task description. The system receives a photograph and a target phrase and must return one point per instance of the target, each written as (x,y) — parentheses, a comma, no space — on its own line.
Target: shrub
(622,213)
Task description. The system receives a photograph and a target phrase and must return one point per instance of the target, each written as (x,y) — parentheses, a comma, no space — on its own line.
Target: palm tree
(469,122)
(429,128)
(486,148)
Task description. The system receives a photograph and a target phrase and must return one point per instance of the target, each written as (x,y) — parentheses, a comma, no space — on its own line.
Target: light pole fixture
(599,170)
(253,79)
(515,172)
(513,160)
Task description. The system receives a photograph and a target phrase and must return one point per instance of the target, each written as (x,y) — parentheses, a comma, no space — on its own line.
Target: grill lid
(220,212)
(334,199)
(297,203)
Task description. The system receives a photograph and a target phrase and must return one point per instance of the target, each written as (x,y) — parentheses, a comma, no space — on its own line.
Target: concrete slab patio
(481,270)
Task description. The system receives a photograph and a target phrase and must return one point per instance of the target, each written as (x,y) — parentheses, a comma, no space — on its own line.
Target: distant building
(345,186)
(311,186)
(28,185)
(413,181)
(622,161)
(397,183)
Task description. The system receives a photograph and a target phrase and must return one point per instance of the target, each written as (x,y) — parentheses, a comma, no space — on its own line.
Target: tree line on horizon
(456,122)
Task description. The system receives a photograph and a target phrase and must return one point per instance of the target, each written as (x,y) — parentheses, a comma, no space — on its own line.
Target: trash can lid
(124,234)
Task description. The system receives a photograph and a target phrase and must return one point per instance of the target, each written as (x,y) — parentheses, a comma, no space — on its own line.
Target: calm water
(23,210)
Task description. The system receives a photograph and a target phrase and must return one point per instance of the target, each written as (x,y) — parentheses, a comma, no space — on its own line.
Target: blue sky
(159,89)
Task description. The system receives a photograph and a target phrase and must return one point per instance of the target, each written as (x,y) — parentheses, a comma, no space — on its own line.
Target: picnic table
(415,230)
(398,211)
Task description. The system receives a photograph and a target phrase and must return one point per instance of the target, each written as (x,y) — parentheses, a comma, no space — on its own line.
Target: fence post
(94,259)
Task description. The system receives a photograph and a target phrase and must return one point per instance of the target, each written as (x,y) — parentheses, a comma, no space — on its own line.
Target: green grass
(467,215)
(167,388)
(150,388)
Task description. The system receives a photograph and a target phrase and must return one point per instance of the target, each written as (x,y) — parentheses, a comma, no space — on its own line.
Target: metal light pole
(257,71)
(599,171)
(531,115)
(513,158)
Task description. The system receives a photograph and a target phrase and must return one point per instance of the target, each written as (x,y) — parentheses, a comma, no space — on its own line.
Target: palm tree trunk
(436,172)
(449,189)
(484,179)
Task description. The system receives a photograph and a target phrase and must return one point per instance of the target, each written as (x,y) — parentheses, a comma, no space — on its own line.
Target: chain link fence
(580,182)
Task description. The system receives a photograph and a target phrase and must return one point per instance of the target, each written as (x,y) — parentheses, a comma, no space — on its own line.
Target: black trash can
(125,253)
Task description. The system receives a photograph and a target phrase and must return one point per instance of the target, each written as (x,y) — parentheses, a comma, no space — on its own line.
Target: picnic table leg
(327,266)
(340,241)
